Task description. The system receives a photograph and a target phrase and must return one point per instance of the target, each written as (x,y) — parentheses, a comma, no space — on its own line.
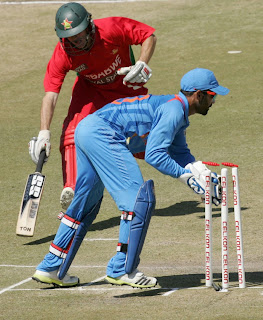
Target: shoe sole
(56,283)
(119,282)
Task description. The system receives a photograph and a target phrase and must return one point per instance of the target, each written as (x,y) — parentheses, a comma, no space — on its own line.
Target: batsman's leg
(69,162)
(81,105)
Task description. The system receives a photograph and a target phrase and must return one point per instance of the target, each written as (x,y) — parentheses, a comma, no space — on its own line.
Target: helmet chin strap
(90,41)
(90,35)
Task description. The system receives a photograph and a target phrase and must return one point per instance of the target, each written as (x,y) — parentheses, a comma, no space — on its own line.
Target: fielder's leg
(130,250)
(78,238)
(81,212)
(121,175)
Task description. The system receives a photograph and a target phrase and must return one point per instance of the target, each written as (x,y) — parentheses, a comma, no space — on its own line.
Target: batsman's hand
(135,76)
(195,179)
(42,142)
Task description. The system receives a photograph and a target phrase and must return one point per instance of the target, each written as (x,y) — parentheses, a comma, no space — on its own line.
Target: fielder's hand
(136,76)
(195,179)
(42,142)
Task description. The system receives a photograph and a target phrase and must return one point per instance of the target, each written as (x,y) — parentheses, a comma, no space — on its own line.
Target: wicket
(224,226)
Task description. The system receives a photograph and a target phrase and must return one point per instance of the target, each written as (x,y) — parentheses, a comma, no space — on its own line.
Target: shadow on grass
(186,281)
(40,241)
(178,209)
(189,207)
(179,282)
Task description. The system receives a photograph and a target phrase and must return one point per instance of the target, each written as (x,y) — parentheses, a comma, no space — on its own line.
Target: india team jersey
(111,50)
(164,117)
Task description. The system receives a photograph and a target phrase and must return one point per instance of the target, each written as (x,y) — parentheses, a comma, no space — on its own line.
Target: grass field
(191,33)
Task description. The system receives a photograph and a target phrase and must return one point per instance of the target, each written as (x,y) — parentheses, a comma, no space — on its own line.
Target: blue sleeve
(179,150)
(168,121)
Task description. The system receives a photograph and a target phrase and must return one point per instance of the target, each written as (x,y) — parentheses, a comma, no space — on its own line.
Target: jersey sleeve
(57,68)
(127,31)
(169,121)
(179,150)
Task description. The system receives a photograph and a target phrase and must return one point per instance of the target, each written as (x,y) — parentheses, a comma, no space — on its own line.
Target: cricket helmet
(71,19)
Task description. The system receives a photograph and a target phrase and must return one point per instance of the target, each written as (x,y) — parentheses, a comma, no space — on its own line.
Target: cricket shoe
(66,197)
(135,279)
(52,278)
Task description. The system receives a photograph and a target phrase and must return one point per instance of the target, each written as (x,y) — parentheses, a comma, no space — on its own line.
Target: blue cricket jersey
(164,117)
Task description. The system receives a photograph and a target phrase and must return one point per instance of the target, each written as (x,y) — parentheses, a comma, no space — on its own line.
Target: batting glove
(136,76)
(42,142)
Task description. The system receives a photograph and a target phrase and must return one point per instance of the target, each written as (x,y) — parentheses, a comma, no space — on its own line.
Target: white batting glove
(136,76)
(42,142)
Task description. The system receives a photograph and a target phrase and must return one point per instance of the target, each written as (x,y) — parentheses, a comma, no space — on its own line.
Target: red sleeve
(56,71)
(122,30)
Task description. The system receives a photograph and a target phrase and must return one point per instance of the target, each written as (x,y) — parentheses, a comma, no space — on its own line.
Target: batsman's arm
(42,142)
(47,110)
(147,49)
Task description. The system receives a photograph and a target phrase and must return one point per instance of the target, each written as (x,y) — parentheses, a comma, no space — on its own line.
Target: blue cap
(202,79)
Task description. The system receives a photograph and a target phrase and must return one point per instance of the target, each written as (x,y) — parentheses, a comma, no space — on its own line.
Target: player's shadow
(190,207)
(49,238)
(185,281)
(180,282)
(178,209)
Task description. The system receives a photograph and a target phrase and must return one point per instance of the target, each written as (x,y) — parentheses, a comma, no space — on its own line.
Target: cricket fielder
(99,51)
(103,159)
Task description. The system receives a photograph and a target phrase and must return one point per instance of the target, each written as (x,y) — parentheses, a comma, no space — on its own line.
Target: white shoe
(52,278)
(66,197)
(135,279)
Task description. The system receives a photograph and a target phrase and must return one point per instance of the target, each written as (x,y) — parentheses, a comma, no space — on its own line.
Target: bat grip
(41,159)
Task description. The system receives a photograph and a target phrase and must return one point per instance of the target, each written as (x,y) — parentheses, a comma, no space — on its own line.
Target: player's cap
(202,79)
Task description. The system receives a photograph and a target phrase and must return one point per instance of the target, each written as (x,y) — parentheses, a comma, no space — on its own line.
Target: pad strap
(58,251)
(122,247)
(61,215)
(127,215)
(70,222)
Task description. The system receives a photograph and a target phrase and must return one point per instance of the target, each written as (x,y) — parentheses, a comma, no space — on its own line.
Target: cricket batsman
(100,53)
(103,159)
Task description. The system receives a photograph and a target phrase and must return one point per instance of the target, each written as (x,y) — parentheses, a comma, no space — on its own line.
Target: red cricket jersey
(113,37)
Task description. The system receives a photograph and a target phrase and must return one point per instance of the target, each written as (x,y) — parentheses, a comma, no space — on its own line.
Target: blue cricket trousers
(103,159)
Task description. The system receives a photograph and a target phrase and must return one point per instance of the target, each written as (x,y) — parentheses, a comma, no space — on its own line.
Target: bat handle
(41,159)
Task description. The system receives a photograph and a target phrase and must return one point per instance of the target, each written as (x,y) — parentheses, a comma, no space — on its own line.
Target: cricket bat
(31,199)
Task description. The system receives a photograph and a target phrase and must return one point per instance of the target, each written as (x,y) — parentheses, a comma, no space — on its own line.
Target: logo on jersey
(67,24)
(114,51)
(107,75)
(82,67)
